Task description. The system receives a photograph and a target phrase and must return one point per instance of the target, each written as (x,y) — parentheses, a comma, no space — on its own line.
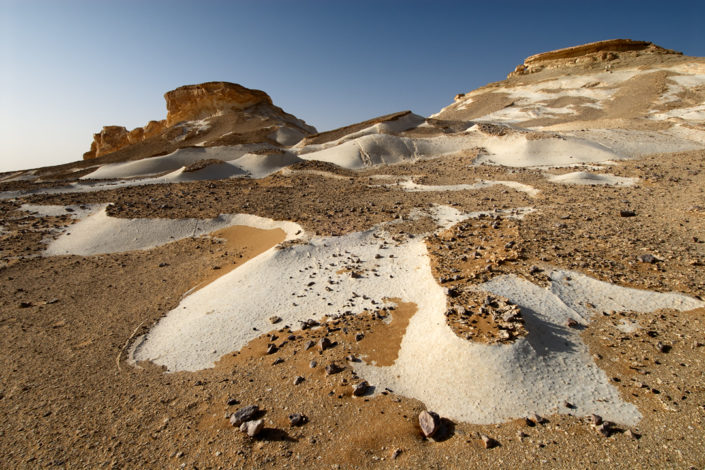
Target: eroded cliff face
(212,113)
(194,102)
(585,54)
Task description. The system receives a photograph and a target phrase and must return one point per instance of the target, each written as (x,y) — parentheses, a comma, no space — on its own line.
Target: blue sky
(69,67)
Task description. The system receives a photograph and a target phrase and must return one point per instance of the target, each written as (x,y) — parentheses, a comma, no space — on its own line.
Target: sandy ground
(69,399)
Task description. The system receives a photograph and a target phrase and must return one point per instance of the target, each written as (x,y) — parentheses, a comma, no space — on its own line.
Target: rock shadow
(546,337)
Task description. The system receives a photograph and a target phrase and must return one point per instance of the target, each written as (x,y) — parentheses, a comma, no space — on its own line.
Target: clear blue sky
(69,67)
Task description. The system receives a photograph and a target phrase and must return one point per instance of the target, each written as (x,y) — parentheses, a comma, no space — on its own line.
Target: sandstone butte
(186,103)
(600,51)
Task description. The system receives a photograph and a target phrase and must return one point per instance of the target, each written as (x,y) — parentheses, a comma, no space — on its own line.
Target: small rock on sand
(429,422)
(297,419)
(252,428)
(274,319)
(488,442)
(242,415)
(360,388)
(324,343)
(646,258)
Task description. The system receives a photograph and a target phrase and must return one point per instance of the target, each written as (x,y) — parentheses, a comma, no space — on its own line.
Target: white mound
(216,171)
(259,166)
(587,178)
(286,136)
(395,126)
(634,143)
(99,233)
(383,149)
(515,150)
(171,162)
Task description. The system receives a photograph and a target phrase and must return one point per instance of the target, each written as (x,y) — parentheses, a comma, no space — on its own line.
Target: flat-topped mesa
(586,54)
(194,102)
(234,112)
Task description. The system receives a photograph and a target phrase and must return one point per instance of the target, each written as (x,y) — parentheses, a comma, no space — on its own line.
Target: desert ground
(532,277)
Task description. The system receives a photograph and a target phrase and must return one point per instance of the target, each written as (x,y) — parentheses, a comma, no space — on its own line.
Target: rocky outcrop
(194,102)
(594,52)
(234,114)
(110,139)
(113,138)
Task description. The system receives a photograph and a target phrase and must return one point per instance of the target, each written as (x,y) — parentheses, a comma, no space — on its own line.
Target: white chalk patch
(74,211)
(99,233)
(410,186)
(487,384)
(587,178)
(222,316)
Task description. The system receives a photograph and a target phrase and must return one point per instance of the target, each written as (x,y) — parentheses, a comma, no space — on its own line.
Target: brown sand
(245,243)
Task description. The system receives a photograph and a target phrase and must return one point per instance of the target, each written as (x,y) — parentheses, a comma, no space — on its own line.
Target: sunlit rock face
(194,102)
(206,114)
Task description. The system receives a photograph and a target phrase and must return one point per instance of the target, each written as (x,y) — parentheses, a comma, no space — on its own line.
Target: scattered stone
(662,348)
(271,348)
(297,419)
(360,388)
(631,434)
(232,401)
(569,405)
(359,336)
(646,258)
(298,379)
(627,213)
(252,428)
(595,420)
(605,428)
(278,360)
(274,319)
(572,323)
(333,368)
(324,343)
(313,364)
(521,435)
(306,324)
(396,453)
(25,304)
(537,419)
(429,422)
(309,344)
(488,442)
(245,414)
(534,270)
